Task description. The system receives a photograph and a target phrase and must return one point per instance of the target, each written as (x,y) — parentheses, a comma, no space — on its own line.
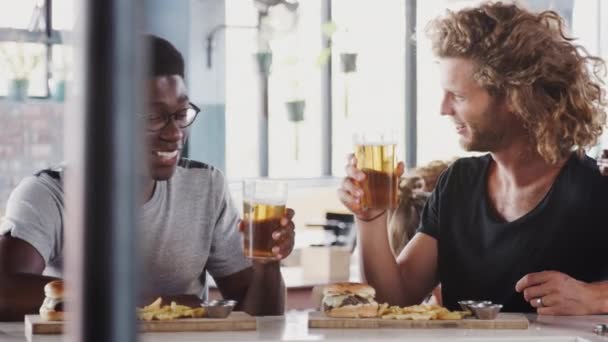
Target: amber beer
(378,162)
(261,220)
(263,207)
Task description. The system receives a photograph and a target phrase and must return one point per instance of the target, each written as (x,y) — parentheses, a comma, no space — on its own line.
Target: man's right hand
(351,192)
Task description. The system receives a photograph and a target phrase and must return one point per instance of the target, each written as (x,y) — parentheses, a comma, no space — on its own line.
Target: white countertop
(294,327)
(294,276)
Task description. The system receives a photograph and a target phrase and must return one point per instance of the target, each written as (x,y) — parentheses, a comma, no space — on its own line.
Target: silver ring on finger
(539,302)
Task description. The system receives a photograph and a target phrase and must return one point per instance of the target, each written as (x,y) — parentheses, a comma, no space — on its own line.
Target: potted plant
(348,58)
(264,60)
(19,64)
(61,71)
(264,54)
(296,105)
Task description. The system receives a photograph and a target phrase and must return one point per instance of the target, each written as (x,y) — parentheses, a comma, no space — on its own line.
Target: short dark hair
(164,58)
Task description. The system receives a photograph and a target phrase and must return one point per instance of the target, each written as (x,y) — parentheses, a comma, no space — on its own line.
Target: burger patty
(59,306)
(354,300)
(350,300)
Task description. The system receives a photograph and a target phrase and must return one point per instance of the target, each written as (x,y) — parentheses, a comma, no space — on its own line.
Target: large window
(373,93)
(294,141)
(63,14)
(294,39)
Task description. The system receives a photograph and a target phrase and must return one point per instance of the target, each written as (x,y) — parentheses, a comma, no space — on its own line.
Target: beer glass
(263,207)
(377,158)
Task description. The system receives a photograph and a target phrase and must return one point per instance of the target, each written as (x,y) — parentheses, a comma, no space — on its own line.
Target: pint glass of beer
(263,207)
(377,158)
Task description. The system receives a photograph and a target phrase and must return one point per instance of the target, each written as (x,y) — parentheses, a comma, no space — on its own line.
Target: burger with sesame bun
(350,300)
(52,307)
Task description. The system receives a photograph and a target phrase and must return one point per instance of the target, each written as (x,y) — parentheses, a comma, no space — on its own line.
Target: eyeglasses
(182,118)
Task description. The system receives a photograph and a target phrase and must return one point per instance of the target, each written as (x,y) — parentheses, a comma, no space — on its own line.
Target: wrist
(372,218)
(265,265)
(598,297)
(602,297)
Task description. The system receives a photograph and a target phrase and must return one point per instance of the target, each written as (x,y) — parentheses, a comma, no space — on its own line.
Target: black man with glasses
(188,222)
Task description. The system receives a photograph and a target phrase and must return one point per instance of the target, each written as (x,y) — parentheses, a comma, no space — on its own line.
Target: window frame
(49,37)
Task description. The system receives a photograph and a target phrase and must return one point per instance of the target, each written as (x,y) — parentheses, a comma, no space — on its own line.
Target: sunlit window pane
(295,135)
(294,144)
(242,92)
(63,14)
(370,93)
(16,13)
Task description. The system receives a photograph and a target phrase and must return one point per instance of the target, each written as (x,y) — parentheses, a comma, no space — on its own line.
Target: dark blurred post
(411,84)
(265,108)
(326,96)
(101,200)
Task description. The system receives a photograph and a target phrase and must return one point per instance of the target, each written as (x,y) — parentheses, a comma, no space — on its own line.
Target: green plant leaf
(323,57)
(329,28)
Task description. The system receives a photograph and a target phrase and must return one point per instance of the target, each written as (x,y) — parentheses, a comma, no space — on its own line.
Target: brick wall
(31,138)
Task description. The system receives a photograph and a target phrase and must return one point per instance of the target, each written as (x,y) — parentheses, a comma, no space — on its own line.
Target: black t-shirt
(481,256)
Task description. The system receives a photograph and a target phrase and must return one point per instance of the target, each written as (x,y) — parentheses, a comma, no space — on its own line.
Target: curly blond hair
(552,84)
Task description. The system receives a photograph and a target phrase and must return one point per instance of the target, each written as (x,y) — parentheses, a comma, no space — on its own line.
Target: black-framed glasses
(183,118)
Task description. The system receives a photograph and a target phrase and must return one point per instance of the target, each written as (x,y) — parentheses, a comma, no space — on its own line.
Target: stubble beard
(483,140)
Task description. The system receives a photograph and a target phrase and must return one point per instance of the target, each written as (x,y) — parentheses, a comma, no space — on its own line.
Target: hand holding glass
(376,157)
(263,207)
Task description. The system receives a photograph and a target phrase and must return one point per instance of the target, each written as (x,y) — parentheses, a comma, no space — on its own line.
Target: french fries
(420,312)
(156,311)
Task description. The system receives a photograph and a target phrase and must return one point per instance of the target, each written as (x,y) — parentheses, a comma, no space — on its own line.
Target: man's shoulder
(463,176)
(51,178)
(585,164)
(583,172)
(190,164)
(581,185)
(41,186)
(54,173)
(469,167)
(193,173)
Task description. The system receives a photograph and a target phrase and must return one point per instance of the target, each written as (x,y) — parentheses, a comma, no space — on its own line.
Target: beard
(483,139)
(491,132)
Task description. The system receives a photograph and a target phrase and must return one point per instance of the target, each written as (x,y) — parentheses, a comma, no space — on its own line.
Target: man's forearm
(21,294)
(266,293)
(378,265)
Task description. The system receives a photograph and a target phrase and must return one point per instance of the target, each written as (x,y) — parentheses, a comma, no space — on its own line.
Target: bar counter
(294,327)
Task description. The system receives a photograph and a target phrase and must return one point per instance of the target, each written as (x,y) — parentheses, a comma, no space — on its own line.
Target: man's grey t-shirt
(188,226)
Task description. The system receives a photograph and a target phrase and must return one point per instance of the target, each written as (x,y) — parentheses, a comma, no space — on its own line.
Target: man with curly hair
(525,224)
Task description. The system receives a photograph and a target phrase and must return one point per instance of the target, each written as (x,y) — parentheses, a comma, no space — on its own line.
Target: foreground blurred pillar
(101,144)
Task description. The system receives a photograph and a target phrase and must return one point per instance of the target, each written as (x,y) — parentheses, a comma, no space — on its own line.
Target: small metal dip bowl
(486,311)
(218,308)
(466,304)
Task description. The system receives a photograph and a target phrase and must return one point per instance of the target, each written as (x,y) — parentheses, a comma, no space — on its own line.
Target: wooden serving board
(318,319)
(237,321)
